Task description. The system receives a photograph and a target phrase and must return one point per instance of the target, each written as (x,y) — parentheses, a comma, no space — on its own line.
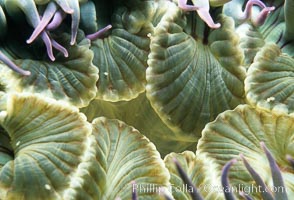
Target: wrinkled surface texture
(146,99)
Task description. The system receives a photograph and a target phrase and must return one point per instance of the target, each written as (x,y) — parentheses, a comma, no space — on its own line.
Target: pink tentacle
(99,33)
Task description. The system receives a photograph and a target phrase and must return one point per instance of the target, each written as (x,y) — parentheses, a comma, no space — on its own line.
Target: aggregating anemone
(146,99)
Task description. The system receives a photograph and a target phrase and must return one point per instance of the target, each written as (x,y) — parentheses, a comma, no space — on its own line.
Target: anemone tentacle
(276,173)
(183,5)
(99,33)
(13,66)
(59,47)
(29,8)
(260,19)
(257,179)
(203,12)
(248,9)
(195,194)
(42,26)
(234,9)
(225,179)
(56,20)
(47,16)
(49,13)
(47,41)
(68,7)
(74,4)
(247,14)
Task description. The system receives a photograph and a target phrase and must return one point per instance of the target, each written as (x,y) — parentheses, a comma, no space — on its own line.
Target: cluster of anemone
(100,97)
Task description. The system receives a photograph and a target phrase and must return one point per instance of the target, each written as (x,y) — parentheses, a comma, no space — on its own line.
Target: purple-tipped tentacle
(65,6)
(59,47)
(203,12)
(34,19)
(99,33)
(206,17)
(262,16)
(260,19)
(195,195)
(248,9)
(276,174)
(183,5)
(13,66)
(225,179)
(47,41)
(47,16)
(258,180)
(56,21)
